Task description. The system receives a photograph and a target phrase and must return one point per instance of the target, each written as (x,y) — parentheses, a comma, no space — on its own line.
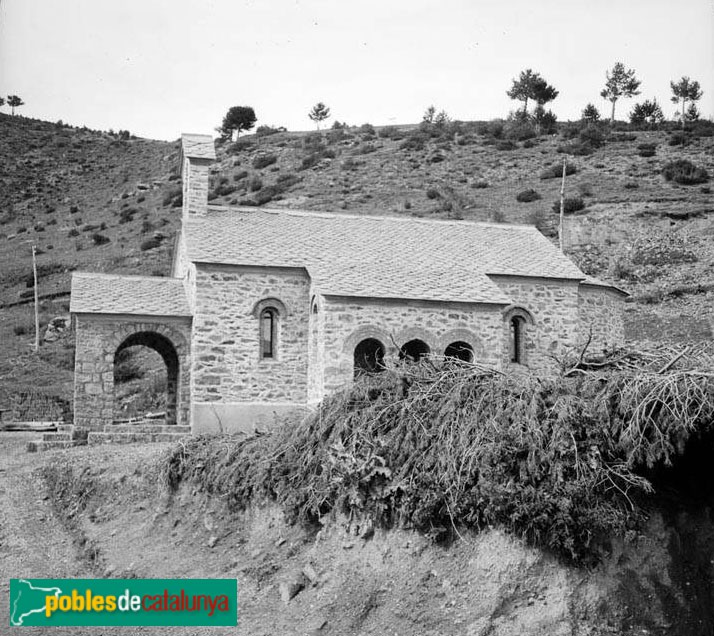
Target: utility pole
(562,206)
(37,315)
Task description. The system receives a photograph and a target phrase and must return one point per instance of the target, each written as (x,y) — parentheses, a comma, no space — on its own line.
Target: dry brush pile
(440,445)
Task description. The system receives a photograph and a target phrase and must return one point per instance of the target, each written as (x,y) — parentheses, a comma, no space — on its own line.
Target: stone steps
(53,444)
(69,436)
(146,428)
(97,437)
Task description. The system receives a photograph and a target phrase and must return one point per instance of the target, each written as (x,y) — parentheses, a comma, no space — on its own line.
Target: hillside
(93,201)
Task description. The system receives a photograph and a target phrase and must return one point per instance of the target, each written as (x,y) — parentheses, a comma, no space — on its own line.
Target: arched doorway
(136,359)
(368,357)
(460,351)
(414,350)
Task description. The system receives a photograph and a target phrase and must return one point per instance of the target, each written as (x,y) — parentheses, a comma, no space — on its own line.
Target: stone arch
(517,310)
(417,333)
(269,303)
(98,338)
(364,333)
(463,335)
(165,348)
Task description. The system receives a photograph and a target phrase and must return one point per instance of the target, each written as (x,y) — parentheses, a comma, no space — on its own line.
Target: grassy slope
(47,170)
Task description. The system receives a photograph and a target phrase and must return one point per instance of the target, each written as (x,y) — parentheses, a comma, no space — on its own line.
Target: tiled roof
(139,295)
(198,146)
(596,282)
(389,257)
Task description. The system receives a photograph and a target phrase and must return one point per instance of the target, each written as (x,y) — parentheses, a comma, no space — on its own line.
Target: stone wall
(97,339)
(601,314)
(554,307)
(226,366)
(347,321)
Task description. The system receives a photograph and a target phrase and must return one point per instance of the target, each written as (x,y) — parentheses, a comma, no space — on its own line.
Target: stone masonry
(331,286)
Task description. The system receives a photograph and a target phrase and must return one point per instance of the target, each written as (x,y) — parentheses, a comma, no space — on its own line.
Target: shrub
(527,196)
(150,244)
(556,171)
(240,175)
(223,190)
(576,148)
(255,184)
(479,185)
(265,131)
(263,161)
(506,145)
(433,193)
(646,150)
(684,172)
(100,239)
(570,205)
(127,215)
(245,143)
(73,232)
(367,130)
(171,196)
(146,226)
(678,138)
(416,140)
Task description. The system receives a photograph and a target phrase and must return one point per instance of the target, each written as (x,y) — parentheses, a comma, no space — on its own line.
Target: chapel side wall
(227,368)
(601,316)
(348,321)
(554,307)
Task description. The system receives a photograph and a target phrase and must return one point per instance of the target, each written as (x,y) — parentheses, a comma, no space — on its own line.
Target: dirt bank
(113,518)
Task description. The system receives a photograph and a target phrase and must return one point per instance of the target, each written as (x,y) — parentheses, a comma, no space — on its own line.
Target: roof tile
(139,295)
(388,257)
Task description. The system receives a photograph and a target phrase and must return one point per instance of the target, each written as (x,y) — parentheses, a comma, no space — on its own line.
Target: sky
(162,67)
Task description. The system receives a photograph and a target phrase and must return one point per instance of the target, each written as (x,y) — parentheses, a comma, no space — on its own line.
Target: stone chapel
(269,310)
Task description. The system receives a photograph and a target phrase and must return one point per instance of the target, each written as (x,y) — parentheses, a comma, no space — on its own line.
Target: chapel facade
(269,310)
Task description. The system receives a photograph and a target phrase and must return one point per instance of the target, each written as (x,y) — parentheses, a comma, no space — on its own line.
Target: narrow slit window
(517,339)
(267,333)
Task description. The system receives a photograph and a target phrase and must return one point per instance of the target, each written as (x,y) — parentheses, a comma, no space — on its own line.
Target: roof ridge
(376,217)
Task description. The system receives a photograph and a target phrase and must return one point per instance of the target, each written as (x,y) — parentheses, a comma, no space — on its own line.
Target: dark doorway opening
(368,357)
(414,350)
(460,351)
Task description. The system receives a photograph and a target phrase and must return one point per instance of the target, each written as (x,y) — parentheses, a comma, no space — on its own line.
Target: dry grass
(438,445)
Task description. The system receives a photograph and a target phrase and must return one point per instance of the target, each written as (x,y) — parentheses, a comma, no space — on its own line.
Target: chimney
(197,154)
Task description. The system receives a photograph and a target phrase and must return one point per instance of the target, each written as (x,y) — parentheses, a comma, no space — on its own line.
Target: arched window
(369,357)
(414,350)
(268,326)
(460,351)
(517,328)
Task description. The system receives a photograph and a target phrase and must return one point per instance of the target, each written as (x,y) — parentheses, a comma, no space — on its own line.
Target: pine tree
(685,90)
(620,82)
(319,113)
(13,101)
